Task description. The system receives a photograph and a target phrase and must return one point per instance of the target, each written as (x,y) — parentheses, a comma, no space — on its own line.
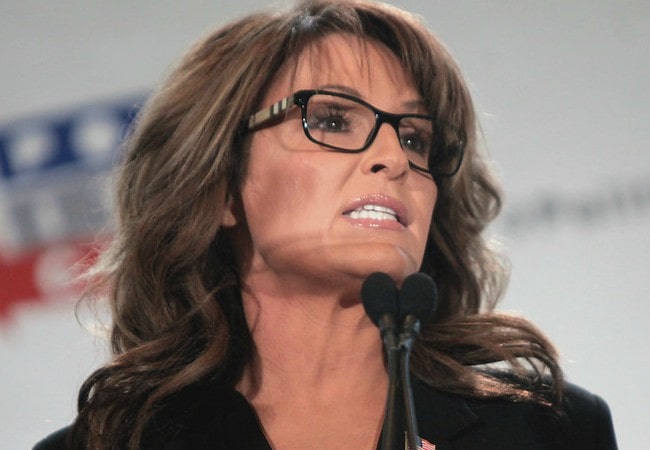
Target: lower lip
(376,224)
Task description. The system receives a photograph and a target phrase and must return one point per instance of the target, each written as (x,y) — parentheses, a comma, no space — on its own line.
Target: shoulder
(204,416)
(55,441)
(582,422)
(589,417)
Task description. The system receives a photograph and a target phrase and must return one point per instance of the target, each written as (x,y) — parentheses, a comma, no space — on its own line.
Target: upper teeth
(374,212)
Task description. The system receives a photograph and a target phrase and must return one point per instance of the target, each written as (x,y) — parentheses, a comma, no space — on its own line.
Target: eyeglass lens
(348,125)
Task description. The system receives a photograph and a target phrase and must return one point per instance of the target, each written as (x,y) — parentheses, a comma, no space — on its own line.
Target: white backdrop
(562,90)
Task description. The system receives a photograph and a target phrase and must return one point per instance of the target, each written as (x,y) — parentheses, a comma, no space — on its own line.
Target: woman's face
(299,199)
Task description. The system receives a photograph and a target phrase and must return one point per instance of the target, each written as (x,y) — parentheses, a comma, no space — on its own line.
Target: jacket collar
(441,416)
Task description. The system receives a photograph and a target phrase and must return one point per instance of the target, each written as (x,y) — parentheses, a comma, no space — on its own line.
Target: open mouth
(374,212)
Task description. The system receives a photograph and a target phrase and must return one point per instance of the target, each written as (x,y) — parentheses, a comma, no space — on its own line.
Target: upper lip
(380,200)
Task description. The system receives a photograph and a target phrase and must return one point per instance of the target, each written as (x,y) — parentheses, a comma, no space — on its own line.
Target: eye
(412,142)
(334,122)
(415,140)
(328,120)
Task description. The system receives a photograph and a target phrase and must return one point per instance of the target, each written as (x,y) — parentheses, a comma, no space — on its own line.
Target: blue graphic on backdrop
(55,170)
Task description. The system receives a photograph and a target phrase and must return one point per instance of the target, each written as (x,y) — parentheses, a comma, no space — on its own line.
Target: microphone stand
(410,329)
(398,354)
(390,435)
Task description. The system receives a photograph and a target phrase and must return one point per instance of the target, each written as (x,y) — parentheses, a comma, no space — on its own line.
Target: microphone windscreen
(418,296)
(379,296)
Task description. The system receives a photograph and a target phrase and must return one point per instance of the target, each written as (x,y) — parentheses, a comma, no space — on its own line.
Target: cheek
(428,201)
(432,201)
(281,185)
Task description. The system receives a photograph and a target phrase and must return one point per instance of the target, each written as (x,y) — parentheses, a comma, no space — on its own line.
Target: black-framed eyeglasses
(347,124)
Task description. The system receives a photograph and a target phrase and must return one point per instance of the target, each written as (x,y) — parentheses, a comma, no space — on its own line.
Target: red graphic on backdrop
(48,273)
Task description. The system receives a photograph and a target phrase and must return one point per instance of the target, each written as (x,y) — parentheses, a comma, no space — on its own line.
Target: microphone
(379,296)
(418,301)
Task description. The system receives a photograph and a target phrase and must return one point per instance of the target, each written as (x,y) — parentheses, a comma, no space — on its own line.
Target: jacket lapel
(441,416)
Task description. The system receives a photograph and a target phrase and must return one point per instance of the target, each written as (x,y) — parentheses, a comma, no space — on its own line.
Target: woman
(287,158)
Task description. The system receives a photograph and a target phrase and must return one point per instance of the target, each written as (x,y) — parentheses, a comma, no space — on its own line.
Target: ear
(232,211)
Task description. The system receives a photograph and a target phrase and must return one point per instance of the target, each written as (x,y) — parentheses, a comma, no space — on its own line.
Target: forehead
(362,64)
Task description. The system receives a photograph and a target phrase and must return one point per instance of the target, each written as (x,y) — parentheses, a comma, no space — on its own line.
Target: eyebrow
(339,87)
(419,103)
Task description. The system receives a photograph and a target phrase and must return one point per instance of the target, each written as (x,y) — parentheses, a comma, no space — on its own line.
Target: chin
(388,259)
(344,265)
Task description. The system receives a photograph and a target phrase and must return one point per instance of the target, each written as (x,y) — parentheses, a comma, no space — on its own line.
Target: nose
(385,154)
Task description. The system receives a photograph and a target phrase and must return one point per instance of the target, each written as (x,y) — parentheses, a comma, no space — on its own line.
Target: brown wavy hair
(169,273)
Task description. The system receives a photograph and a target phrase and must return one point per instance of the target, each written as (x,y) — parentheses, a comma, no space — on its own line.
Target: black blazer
(209,417)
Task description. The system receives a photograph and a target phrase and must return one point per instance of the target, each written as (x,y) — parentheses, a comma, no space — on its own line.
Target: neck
(317,373)
(318,348)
